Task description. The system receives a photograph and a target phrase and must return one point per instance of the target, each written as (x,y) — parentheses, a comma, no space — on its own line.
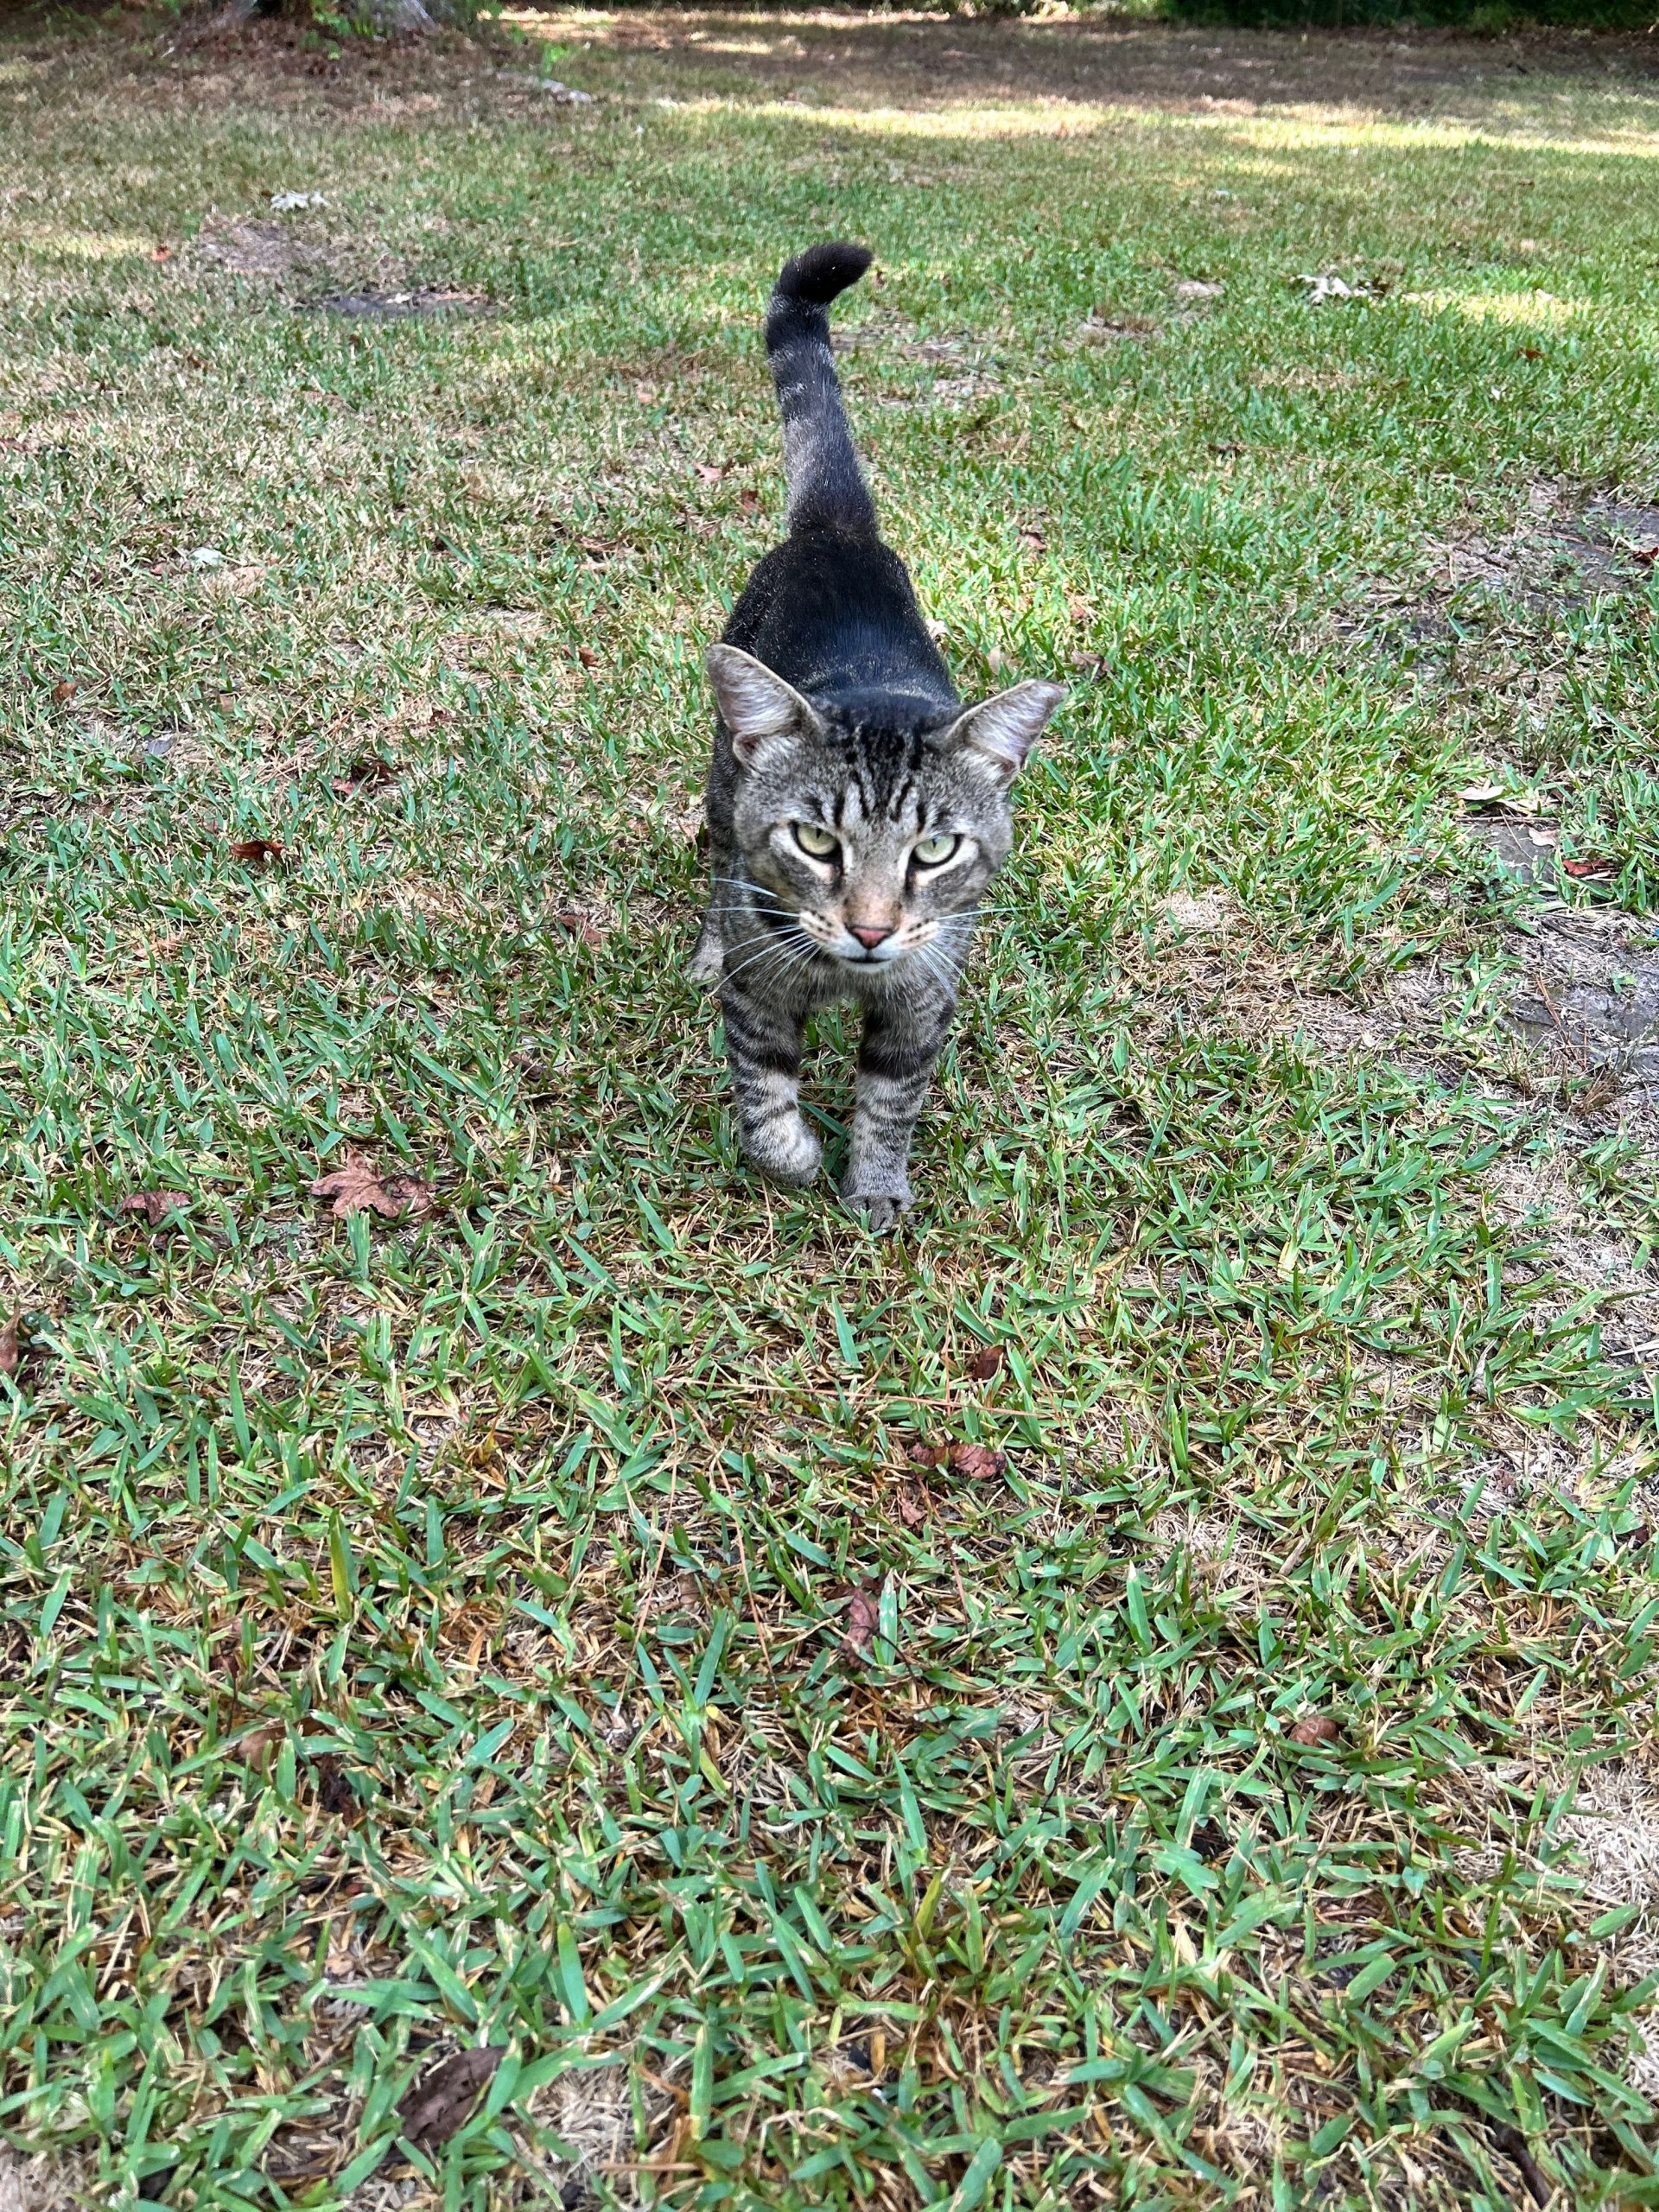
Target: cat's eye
(930,852)
(811,839)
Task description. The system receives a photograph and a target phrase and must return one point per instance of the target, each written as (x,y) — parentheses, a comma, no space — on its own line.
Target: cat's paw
(785,1152)
(708,959)
(882,1211)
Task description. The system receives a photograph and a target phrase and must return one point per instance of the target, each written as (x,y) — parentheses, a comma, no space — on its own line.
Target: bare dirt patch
(353,278)
(1592,994)
(1568,548)
(272,250)
(1573,544)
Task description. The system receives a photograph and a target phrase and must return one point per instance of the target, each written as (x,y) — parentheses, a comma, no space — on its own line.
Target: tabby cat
(856,809)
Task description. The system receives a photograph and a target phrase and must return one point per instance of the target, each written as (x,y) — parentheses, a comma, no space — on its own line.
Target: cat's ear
(760,709)
(1004,728)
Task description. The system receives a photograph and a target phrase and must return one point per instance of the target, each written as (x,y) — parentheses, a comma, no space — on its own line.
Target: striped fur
(856,809)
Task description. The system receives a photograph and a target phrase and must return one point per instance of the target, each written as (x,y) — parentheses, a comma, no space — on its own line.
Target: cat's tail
(827,489)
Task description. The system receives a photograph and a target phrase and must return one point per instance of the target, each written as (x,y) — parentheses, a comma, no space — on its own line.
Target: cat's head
(870,825)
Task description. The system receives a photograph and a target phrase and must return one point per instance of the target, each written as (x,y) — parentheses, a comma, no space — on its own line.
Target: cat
(856,809)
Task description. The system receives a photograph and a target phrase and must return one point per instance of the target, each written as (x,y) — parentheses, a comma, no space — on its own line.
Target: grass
(430,1633)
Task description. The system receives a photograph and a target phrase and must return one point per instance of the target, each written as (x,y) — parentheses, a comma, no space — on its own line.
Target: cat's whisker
(793,941)
(744,883)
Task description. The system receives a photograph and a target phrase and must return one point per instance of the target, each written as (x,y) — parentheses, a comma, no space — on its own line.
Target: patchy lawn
(1141,1692)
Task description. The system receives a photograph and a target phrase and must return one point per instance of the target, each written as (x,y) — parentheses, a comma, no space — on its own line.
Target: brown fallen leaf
(334,1791)
(1532,352)
(587,655)
(710,471)
(749,502)
(160,253)
(580,925)
(1590,868)
(9,1346)
(986,1362)
(439,2106)
(863,1618)
(1646,554)
(256,849)
(64,691)
(978,1462)
(154,1205)
(914,1506)
(358,1186)
(368,772)
(260,1746)
(1315,1728)
(926,1455)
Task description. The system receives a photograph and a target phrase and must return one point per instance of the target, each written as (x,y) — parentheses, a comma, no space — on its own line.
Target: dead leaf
(1590,869)
(1315,1728)
(367,773)
(1532,352)
(645,394)
(863,1618)
(9,1346)
(749,502)
(978,1463)
(358,1187)
(1646,554)
(256,849)
(914,1507)
(986,1362)
(438,2106)
(154,1205)
(587,655)
(580,925)
(160,253)
(1499,795)
(711,471)
(334,1791)
(260,1746)
(926,1455)
(64,692)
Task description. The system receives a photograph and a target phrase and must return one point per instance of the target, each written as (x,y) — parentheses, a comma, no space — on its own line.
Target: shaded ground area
(828,54)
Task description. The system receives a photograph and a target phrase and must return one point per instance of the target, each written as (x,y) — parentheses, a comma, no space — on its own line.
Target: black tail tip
(816,275)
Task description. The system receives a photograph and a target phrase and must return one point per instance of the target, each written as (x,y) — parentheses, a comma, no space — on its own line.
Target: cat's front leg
(895,1061)
(708,954)
(763,1044)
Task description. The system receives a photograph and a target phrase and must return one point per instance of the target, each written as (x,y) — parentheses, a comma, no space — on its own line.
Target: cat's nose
(869,934)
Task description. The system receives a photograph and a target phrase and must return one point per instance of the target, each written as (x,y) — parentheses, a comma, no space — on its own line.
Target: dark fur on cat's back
(856,809)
